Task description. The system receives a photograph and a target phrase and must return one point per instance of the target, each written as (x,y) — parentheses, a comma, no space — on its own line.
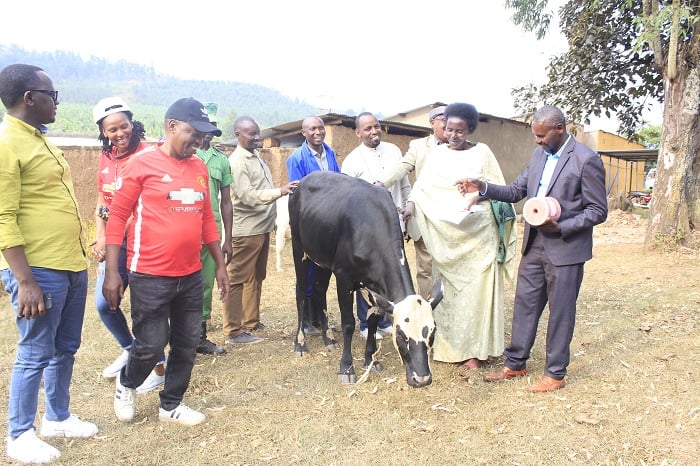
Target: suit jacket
(578,183)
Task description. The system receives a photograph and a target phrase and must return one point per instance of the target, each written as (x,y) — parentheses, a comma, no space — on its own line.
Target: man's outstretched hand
(470,185)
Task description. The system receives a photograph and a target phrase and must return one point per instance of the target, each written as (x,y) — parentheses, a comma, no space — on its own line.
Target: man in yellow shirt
(43,264)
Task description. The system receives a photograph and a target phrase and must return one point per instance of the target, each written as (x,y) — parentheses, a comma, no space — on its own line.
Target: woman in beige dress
(470,255)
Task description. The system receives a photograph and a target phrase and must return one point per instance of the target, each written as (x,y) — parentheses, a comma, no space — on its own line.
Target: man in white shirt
(373,161)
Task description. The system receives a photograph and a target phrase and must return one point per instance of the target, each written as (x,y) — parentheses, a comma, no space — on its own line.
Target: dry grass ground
(633,396)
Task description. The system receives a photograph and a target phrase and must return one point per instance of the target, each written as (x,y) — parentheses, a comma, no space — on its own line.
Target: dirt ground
(620,228)
(632,398)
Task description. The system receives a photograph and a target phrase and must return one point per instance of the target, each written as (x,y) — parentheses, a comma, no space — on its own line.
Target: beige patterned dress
(463,242)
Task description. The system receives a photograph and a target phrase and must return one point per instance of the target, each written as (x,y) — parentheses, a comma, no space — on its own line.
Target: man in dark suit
(553,254)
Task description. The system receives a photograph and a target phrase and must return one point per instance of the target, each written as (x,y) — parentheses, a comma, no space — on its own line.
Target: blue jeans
(114,320)
(164,310)
(46,346)
(362,308)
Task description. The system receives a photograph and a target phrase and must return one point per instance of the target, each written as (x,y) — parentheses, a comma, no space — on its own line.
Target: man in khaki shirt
(253,196)
(413,160)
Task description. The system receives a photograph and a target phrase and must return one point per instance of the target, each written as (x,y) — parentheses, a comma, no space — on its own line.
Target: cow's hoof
(346,378)
(299,350)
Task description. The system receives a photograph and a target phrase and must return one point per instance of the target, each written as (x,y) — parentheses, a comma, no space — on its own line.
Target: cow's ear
(436,294)
(383,303)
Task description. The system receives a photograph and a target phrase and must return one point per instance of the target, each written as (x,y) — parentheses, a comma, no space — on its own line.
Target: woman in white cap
(121,137)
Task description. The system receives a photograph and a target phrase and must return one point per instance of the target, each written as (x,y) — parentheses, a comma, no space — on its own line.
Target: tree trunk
(675,209)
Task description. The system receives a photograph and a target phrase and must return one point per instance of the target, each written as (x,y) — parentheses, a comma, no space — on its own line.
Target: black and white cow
(351,228)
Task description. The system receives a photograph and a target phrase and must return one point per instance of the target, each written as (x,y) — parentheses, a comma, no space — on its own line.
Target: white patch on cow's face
(415,317)
(414,334)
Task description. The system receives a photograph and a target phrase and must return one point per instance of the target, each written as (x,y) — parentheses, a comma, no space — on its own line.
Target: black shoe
(258,327)
(207,347)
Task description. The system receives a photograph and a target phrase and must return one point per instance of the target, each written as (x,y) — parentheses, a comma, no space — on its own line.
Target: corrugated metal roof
(390,127)
(633,155)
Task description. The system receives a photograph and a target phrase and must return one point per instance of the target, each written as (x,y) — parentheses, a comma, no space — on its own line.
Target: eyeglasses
(52,94)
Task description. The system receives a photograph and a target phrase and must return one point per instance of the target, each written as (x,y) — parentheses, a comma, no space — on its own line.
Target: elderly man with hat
(167,192)
(415,157)
(220,195)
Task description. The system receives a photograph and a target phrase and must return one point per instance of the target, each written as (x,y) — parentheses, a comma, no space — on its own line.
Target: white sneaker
(28,448)
(124,405)
(71,427)
(113,369)
(386,330)
(152,382)
(377,336)
(182,414)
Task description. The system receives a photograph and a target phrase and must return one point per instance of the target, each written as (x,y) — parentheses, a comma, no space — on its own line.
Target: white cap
(107,106)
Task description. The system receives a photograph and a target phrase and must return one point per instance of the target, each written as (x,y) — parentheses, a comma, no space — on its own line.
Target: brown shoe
(504,373)
(547,384)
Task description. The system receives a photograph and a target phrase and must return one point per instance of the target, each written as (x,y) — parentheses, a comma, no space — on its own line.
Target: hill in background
(82,83)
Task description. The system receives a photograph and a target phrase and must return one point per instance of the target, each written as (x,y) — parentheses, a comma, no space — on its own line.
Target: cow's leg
(320,308)
(347,324)
(310,299)
(371,346)
(301,268)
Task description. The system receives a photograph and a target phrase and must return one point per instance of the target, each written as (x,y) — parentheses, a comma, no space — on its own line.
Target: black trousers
(164,310)
(540,282)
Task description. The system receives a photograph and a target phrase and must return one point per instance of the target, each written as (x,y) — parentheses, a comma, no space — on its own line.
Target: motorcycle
(640,198)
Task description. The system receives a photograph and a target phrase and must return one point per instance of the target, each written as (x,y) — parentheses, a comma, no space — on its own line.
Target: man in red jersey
(166,190)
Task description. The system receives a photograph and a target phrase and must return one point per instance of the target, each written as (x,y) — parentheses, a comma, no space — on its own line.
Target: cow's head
(414,332)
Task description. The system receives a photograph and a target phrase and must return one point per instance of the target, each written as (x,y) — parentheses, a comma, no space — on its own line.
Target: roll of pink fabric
(538,210)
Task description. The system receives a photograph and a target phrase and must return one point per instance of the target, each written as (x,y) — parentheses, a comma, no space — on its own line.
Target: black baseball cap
(193,112)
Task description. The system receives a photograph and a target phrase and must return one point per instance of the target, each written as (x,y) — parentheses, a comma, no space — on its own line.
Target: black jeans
(164,310)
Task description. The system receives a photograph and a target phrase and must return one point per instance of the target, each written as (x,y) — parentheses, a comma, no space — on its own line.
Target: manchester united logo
(202,181)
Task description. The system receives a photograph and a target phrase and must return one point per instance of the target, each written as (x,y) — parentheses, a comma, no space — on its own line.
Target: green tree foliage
(605,71)
(623,54)
(84,82)
(649,135)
